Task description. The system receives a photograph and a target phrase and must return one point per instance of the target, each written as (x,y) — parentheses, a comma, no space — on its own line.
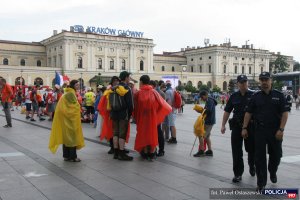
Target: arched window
(192,68)
(209,84)
(224,86)
(79,62)
(111,64)
(141,65)
(22,62)
(19,81)
(250,69)
(224,69)
(190,83)
(261,69)
(200,68)
(209,68)
(38,63)
(123,65)
(199,84)
(38,81)
(243,70)
(5,61)
(173,69)
(235,69)
(99,63)
(163,68)
(179,83)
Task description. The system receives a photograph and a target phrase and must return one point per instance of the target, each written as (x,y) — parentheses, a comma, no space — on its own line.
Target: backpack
(117,102)
(177,100)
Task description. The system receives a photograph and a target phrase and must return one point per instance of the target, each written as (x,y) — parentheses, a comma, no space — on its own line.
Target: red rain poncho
(150,109)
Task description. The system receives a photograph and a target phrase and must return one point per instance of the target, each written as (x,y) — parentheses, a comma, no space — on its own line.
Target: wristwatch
(281,129)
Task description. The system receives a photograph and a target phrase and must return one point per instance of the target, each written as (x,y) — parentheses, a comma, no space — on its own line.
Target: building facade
(84,55)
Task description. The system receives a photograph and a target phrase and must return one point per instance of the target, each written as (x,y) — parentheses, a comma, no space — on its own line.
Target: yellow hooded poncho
(119,89)
(199,124)
(66,127)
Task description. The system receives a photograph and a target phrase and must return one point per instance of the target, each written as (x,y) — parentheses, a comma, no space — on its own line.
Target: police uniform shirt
(237,102)
(268,108)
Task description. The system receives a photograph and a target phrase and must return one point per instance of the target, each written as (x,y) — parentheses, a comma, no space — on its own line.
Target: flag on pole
(60,79)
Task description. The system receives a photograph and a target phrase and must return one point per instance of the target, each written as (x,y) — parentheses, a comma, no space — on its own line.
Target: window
(79,62)
(38,63)
(209,84)
(199,84)
(200,58)
(236,58)
(99,63)
(22,62)
(262,59)
(224,57)
(200,68)
(250,69)
(192,59)
(192,68)
(243,70)
(249,59)
(99,48)
(5,61)
(163,68)
(49,62)
(173,69)
(79,47)
(54,60)
(224,86)
(141,65)
(243,58)
(55,49)
(235,69)
(123,50)
(123,65)
(60,47)
(38,81)
(209,68)
(224,69)
(261,69)
(111,64)
(209,57)
(112,49)
(141,51)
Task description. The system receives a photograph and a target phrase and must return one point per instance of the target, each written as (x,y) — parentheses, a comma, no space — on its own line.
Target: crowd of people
(258,121)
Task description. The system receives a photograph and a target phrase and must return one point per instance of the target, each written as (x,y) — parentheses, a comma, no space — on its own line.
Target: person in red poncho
(150,109)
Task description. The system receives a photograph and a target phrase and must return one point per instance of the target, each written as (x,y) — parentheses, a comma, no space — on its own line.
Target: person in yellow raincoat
(66,127)
(199,130)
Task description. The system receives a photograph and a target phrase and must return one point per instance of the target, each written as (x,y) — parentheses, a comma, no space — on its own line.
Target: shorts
(90,110)
(207,129)
(28,106)
(171,119)
(50,107)
(120,128)
(35,106)
(166,122)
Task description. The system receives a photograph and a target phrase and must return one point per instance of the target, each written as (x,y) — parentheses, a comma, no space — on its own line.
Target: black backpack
(117,102)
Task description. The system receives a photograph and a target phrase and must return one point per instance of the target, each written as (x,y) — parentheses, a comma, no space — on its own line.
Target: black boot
(123,156)
(111,151)
(116,153)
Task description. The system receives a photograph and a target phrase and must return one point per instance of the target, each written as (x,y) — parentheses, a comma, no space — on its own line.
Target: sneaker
(42,119)
(126,150)
(7,126)
(123,156)
(172,141)
(33,120)
(160,154)
(252,171)
(116,153)
(237,179)
(209,153)
(199,154)
(27,117)
(273,178)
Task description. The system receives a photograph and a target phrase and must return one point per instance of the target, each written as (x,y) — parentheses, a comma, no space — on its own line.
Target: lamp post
(80,82)
(21,78)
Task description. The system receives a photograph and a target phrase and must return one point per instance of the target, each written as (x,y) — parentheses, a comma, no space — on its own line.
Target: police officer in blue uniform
(270,111)
(237,103)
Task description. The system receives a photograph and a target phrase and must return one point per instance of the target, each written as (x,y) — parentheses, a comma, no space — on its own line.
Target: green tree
(296,66)
(190,88)
(279,65)
(231,86)
(204,87)
(278,85)
(216,89)
(180,88)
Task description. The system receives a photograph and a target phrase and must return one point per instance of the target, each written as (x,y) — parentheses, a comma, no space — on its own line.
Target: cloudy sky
(172,24)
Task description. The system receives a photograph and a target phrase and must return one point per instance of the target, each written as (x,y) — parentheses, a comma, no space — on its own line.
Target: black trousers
(266,137)
(69,152)
(237,150)
(161,139)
